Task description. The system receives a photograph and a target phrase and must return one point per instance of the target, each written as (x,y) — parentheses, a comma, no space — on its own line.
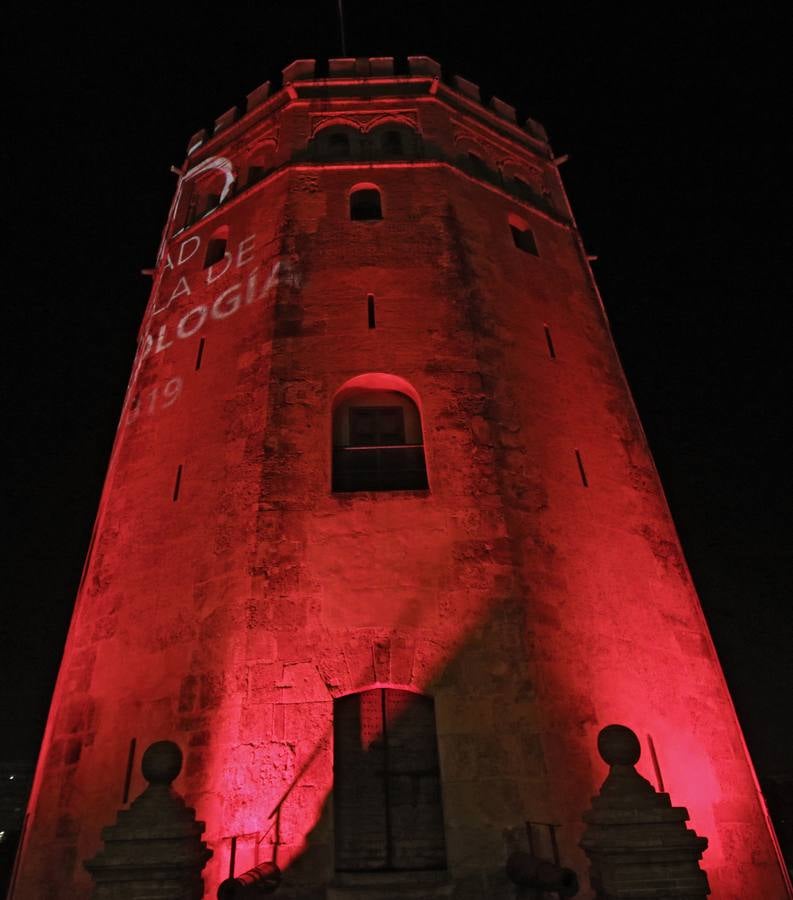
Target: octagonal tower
(381,544)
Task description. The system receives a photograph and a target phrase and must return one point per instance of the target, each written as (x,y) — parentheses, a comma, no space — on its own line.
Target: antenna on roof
(341,29)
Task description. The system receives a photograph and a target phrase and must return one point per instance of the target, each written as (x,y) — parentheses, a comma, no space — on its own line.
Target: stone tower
(381,545)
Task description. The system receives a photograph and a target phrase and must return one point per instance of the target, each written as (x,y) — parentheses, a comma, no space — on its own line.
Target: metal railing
(379,468)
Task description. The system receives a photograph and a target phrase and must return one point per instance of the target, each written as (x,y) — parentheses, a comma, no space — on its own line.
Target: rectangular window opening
(524,240)
(581,470)
(478,165)
(365,205)
(549,342)
(659,778)
(128,774)
(233,856)
(216,250)
(255,174)
(370,309)
(178,482)
(200,354)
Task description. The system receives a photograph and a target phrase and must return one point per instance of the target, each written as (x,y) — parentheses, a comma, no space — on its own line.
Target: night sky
(675,122)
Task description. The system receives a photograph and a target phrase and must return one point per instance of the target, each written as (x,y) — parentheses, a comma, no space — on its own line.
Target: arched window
(259,164)
(186,211)
(475,159)
(386,791)
(521,179)
(394,140)
(478,165)
(391,142)
(337,142)
(365,203)
(202,192)
(377,438)
(216,246)
(523,187)
(338,145)
(209,188)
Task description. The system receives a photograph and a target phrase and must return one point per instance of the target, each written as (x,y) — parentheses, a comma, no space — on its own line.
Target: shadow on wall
(391,816)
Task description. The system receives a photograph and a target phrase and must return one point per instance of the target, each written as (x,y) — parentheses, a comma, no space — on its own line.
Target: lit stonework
(379,490)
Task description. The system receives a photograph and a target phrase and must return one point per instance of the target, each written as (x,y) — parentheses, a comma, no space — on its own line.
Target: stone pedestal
(638,845)
(154,851)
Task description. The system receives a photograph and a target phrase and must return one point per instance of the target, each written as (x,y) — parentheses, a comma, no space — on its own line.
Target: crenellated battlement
(359,112)
(342,77)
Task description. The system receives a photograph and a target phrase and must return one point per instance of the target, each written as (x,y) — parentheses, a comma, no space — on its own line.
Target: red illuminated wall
(227,613)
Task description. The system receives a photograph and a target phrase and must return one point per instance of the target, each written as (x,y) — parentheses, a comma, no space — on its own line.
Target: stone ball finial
(619,746)
(161,762)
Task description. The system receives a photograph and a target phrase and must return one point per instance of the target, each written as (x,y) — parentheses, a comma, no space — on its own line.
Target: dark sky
(675,122)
